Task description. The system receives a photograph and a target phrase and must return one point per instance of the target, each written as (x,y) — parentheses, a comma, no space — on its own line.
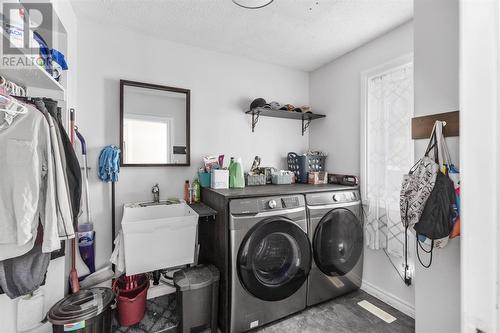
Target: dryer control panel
(265,204)
(336,197)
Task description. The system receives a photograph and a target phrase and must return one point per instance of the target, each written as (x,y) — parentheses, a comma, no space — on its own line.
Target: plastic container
(131,299)
(268,171)
(87,311)
(196,191)
(282,179)
(157,237)
(318,177)
(220,179)
(197,298)
(301,165)
(187,196)
(236,174)
(86,236)
(204,178)
(254,180)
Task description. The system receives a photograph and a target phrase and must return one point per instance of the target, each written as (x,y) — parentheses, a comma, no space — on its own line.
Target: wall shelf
(34,77)
(306,118)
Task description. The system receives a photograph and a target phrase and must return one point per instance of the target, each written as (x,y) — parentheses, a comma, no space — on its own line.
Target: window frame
(365,78)
(155,119)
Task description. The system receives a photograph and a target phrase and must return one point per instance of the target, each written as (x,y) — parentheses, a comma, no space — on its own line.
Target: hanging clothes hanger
(10,88)
(10,105)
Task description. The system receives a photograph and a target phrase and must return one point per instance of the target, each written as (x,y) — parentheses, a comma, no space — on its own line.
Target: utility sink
(158,236)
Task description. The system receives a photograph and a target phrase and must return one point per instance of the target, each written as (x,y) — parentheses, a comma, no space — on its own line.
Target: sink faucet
(156,193)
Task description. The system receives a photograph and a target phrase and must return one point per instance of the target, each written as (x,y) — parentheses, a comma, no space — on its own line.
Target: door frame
(480,165)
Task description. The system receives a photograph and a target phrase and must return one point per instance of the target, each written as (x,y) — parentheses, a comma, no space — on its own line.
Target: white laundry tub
(157,237)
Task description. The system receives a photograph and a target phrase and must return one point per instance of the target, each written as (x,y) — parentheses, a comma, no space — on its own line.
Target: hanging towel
(118,255)
(109,164)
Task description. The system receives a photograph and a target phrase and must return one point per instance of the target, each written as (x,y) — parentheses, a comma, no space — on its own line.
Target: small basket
(205,179)
(301,165)
(282,179)
(255,180)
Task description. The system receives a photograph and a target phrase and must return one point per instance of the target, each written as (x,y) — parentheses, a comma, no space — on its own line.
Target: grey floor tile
(342,315)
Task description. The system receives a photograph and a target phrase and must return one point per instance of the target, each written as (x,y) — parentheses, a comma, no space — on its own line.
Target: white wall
(437,290)
(222,87)
(335,90)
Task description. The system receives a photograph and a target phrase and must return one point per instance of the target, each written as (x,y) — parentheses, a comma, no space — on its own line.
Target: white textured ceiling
(302,34)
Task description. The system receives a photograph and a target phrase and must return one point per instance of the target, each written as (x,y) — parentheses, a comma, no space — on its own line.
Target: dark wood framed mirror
(154,125)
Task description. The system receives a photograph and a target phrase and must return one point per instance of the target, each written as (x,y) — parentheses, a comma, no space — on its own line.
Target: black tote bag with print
(436,221)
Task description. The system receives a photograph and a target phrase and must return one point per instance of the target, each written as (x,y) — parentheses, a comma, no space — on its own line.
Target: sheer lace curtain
(389,154)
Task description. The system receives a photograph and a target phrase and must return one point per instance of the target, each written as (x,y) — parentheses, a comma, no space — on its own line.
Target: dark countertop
(203,210)
(269,190)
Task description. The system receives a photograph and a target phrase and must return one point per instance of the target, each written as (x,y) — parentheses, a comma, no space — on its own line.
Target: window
(387,152)
(137,131)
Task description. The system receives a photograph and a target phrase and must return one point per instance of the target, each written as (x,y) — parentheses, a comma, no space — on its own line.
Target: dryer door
(338,242)
(274,259)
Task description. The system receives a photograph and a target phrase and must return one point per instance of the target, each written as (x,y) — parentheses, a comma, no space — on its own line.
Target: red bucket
(131,292)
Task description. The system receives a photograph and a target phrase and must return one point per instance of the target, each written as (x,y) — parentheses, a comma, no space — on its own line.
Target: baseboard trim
(389,298)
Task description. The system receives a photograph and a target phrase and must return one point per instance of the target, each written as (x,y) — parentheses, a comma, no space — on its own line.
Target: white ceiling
(302,34)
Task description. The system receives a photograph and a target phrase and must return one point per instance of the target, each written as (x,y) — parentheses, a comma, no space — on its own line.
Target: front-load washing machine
(270,259)
(336,235)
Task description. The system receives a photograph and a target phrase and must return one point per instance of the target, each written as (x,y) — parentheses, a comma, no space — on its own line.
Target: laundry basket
(301,165)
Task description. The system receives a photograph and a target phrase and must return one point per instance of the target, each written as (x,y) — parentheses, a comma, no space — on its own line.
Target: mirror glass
(154,124)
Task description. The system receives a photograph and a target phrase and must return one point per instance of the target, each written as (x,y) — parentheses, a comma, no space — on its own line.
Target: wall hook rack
(306,118)
(421,127)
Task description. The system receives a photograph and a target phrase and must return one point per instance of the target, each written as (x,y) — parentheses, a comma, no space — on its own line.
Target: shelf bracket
(305,124)
(255,119)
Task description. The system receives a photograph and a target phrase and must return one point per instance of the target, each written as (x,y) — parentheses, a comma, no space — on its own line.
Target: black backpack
(436,221)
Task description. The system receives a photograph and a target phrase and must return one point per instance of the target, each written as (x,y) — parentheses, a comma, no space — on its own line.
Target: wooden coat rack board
(421,127)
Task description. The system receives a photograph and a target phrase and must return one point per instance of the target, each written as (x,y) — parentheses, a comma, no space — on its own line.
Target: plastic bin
(254,180)
(282,179)
(88,311)
(204,178)
(301,165)
(197,298)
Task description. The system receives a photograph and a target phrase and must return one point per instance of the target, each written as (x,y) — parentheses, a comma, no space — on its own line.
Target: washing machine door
(338,242)
(274,259)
